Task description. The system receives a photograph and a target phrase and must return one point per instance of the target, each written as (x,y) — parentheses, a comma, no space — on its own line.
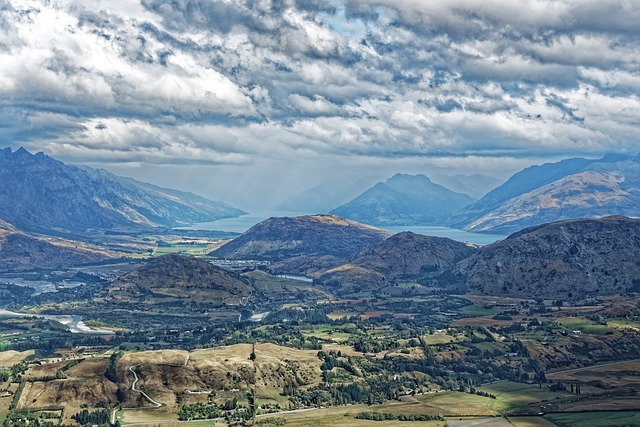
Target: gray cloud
(251,83)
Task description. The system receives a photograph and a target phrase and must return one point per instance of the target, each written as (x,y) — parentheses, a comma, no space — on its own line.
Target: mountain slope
(21,252)
(44,195)
(307,244)
(408,255)
(565,259)
(403,200)
(403,256)
(182,280)
(275,239)
(520,183)
(573,188)
(476,185)
(325,196)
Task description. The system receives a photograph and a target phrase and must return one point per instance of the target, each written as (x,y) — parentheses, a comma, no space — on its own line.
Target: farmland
(310,358)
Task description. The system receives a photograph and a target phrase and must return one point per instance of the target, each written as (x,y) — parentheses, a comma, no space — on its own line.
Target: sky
(251,101)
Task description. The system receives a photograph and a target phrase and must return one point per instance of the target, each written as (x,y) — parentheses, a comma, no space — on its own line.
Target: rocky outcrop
(408,256)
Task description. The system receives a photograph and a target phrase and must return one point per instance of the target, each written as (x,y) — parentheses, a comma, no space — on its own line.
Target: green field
(477,310)
(596,419)
(344,416)
(195,250)
(514,394)
(583,325)
(327,332)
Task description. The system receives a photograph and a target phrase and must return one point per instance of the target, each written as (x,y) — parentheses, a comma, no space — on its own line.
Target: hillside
(309,244)
(403,200)
(566,259)
(408,255)
(41,194)
(177,279)
(276,239)
(403,256)
(22,252)
(573,188)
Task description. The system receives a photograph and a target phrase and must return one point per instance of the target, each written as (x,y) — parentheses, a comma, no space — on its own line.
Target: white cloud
(316,107)
(247,83)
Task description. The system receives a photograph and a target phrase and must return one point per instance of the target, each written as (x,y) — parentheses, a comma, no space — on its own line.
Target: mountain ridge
(403,200)
(564,259)
(304,244)
(569,189)
(41,194)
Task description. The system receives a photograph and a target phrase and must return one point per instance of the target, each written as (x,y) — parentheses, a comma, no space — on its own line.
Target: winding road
(133,387)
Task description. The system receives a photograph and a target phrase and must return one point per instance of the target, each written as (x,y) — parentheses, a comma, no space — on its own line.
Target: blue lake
(243,223)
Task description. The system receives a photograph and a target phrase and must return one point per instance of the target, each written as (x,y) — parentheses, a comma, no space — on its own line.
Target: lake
(243,223)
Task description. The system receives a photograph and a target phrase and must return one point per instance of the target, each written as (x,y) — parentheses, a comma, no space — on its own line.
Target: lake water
(243,223)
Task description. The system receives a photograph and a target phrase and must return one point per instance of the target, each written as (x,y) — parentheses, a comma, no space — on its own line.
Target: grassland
(344,416)
(479,422)
(513,394)
(531,422)
(11,357)
(477,310)
(596,419)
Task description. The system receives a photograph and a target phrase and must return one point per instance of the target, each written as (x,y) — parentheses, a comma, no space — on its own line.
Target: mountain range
(572,188)
(403,200)
(565,259)
(327,195)
(43,195)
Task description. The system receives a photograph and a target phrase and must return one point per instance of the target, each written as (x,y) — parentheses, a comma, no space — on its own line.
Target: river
(73,322)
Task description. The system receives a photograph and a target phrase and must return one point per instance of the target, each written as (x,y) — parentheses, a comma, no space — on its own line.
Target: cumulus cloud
(239,83)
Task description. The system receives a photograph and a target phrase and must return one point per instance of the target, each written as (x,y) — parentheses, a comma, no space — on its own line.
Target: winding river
(73,322)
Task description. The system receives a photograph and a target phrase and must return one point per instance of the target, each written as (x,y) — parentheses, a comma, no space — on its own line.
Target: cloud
(317,106)
(245,83)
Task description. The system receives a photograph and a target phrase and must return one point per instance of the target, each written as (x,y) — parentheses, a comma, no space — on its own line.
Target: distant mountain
(301,243)
(476,185)
(403,200)
(182,280)
(573,188)
(326,196)
(44,195)
(566,259)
